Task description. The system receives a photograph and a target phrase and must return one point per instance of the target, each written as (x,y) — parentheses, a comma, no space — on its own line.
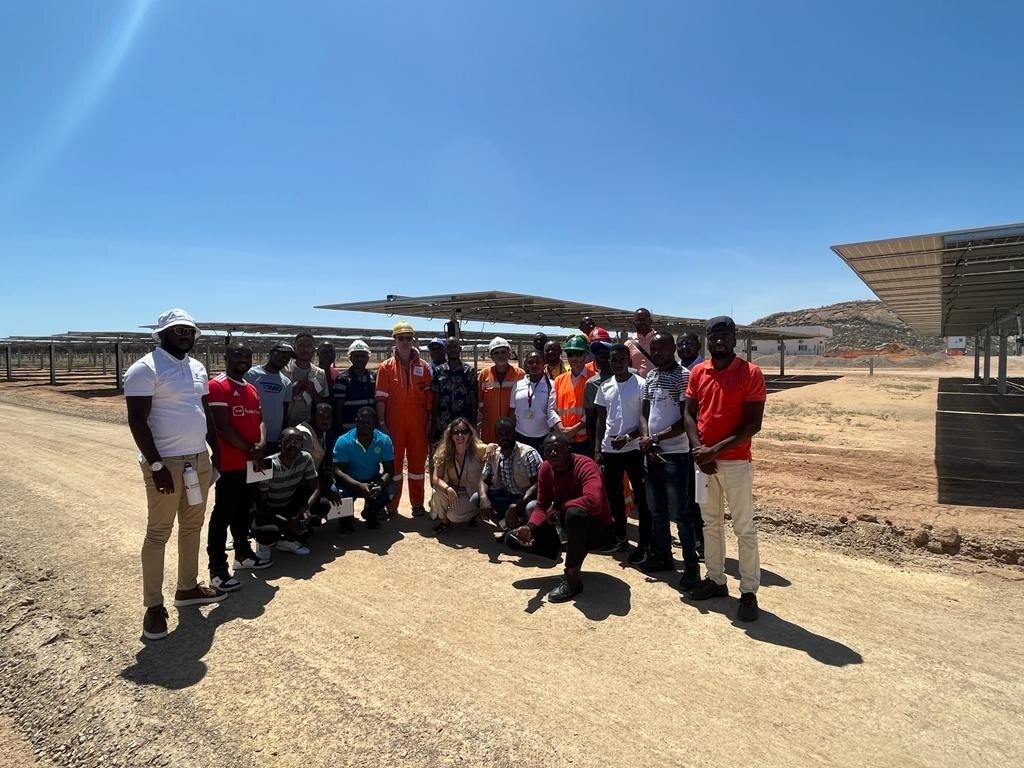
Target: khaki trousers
(733,483)
(162,510)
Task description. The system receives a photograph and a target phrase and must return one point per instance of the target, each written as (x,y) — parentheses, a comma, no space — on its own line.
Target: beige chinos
(733,483)
(163,508)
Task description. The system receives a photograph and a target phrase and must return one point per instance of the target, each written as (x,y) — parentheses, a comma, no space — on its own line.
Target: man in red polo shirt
(241,437)
(724,408)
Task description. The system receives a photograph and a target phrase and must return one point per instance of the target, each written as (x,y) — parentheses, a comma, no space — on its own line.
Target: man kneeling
(571,491)
(286,499)
(364,466)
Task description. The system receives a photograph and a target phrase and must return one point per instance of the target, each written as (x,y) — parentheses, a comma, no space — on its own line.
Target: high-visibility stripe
(412,476)
(380,393)
(358,402)
(567,411)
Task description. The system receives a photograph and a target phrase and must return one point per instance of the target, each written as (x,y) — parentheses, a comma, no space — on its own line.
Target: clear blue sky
(247,160)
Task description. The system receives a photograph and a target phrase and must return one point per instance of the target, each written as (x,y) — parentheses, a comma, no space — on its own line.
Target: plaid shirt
(506,469)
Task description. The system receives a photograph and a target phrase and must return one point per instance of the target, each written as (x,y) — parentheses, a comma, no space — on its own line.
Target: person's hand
(552,513)
(512,516)
(298,388)
(492,449)
(332,495)
(163,481)
(452,495)
(620,441)
(523,534)
(485,501)
(647,443)
(256,453)
(704,457)
(365,491)
(599,458)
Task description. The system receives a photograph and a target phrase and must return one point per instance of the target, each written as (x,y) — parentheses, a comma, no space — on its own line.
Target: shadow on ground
(603,595)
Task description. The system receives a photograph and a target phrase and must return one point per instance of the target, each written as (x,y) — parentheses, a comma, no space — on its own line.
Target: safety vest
(569,401)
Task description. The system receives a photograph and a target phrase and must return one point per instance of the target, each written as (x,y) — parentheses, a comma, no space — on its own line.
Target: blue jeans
(667,497)
(501,500)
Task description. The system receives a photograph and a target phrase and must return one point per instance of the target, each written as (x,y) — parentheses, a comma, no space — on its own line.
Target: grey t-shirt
(300,408)
(275,390)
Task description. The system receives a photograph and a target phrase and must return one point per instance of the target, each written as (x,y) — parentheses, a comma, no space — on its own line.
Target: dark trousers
(583,533)
(581,448)
(231,507)
(536,443)
(373,507)
(667,498)
(693,508)
(630,463)
(284,522)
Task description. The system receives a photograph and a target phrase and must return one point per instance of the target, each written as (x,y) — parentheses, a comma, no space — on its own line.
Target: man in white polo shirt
(169,417)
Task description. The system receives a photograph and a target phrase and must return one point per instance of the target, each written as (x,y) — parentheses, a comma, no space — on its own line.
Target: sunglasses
(460,431)
(182,330)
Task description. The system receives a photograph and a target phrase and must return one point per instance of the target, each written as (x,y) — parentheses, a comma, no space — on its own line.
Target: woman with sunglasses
(458,462)
(532,401)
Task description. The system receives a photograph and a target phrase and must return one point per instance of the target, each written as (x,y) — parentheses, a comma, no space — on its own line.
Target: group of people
(550,453)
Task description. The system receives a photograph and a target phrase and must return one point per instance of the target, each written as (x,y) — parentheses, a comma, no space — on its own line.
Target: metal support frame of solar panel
(536,311)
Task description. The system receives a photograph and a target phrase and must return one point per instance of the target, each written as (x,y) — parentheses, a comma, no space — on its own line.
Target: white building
(811,342)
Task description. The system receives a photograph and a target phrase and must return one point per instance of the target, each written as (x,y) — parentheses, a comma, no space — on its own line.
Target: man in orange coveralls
(403,410)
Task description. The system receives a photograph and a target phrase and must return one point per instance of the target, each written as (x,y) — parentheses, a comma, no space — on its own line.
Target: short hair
(556,437)
(304,335)
(504,421)
(663,335)
(619,348)
(323,406)
(689,335)
(236,347)
(367,410)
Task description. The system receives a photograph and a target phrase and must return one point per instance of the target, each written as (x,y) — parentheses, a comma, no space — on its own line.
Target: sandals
(442,527)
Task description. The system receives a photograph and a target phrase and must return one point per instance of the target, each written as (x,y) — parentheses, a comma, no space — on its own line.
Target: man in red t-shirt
(724,408)
(241,437)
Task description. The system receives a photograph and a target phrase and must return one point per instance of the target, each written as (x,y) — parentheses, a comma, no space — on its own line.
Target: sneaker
(618,545)
(707,589)
(418,511)
(638,554)
(690,578)
(656,561)
(295,547)
(563,593)
(253,562)
(229,545)
(748,610)
(263,552)
(154,623)
(200,594)
(224,581)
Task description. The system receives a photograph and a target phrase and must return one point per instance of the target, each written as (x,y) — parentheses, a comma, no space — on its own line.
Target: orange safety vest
(569,401)
(494,396)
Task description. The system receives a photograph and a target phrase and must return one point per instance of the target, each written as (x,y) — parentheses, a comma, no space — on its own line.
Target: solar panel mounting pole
(53,370)
(987,379)
(749,346)
(118,361)
(782,357)
(7,361)
(1003,341)
(977,358)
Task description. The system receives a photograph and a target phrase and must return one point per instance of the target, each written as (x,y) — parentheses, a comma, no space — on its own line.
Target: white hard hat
(358,346)
(497,343)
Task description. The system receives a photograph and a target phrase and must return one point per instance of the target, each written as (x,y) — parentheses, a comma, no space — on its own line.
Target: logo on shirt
(238,410)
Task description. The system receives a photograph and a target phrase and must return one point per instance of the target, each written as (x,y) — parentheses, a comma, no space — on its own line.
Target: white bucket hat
(171,318)
(358,346)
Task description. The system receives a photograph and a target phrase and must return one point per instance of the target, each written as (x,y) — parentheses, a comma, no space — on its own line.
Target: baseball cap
(283,347)
(358,346)
(721,323)
(171,318)
(600,338)
(439,341)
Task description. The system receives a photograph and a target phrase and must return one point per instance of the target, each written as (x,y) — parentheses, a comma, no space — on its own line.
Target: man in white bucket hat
(169,417)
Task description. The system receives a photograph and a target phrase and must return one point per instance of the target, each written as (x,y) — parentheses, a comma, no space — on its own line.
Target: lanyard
(531,387)
(461,469)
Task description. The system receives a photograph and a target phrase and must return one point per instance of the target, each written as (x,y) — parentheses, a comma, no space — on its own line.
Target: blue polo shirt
(363,463)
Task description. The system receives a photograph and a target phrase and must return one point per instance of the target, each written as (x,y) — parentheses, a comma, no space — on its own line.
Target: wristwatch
(156,466)
(655,439)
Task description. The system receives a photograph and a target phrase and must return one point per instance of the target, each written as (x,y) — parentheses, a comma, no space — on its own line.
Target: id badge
(528,413)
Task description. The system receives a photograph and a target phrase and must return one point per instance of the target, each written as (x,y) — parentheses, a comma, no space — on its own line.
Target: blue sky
(247,160)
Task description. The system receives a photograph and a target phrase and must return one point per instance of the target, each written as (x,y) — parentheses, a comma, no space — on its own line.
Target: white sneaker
(292,546)
(251,563)
(224,582)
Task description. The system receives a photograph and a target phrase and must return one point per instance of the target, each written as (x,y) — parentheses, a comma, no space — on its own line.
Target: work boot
(418,511)
(690,577)
(707,589)
(637,555)
(747,610)
(657,561)
(567,588)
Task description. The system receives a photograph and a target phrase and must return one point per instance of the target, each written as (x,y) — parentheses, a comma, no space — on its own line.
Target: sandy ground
(395,648)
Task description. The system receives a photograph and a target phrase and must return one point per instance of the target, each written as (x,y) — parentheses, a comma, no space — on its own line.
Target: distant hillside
(857,325)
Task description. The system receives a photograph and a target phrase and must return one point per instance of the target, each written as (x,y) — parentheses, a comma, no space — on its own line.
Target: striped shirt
(350,393)
(286,480)
(665,390)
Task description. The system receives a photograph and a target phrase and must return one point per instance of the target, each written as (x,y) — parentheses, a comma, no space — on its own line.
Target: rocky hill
(858,325)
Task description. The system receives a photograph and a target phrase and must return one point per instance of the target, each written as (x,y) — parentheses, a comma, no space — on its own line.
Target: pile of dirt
(858,325)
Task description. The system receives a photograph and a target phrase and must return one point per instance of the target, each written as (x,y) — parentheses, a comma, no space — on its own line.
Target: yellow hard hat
(402,327)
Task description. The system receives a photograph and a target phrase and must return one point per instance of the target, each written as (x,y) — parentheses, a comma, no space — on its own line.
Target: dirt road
(394,648)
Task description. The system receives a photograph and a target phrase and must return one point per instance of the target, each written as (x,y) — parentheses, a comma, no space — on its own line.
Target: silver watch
(156,466)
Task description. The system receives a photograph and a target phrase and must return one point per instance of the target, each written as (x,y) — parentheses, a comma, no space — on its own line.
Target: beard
(721,354)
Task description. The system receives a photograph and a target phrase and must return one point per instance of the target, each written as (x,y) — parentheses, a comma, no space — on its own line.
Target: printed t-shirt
(275,390)
(177,418)
(300,408)
(623,404)
(720,397)
(665,390)
(282,487)
(242,403)
(363,463)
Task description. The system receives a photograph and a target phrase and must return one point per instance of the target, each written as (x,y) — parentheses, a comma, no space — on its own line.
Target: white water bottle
(192,489)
